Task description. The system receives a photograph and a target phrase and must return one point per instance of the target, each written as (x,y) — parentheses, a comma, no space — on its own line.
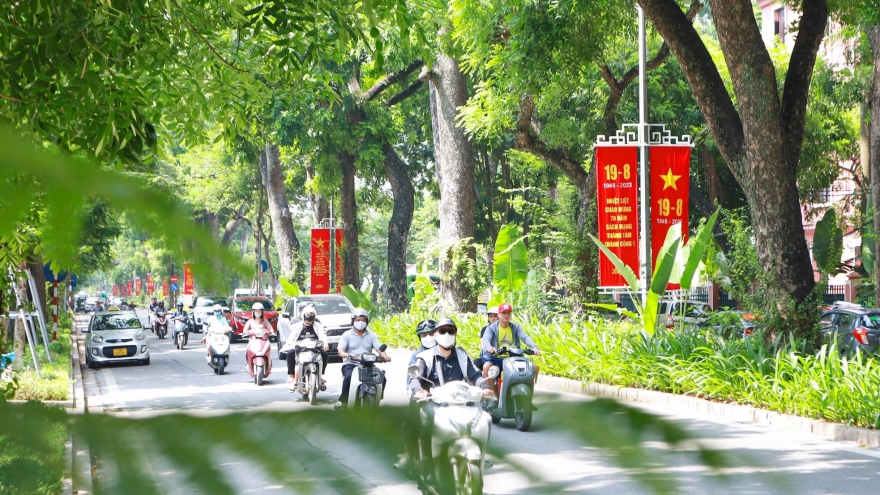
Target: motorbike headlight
(139,336)
(97,339)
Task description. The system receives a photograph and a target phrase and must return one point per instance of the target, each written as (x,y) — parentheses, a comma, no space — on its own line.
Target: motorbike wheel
(468,478)
(221,365)
(313,388)
(496,419)
(259,374)
(523,412)
(369,402)
(180,342)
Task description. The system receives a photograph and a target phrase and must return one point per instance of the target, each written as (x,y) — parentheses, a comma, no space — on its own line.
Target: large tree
(760,136)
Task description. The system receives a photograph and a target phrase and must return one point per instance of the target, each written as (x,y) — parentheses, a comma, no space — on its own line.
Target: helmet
(257,306)
(360,312)
(492,311)
(217,307)
(308,310)
(162,302)
(179,304)
(445,322)
(425,326)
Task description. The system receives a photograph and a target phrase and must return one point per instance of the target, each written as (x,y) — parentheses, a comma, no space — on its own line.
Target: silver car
(116,336)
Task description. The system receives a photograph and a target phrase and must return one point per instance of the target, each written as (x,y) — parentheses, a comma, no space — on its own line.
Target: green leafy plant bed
(32,449)
(54,380)
(822,386)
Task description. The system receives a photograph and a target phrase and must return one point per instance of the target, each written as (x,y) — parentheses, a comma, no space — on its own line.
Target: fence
(727,300)
(834,293)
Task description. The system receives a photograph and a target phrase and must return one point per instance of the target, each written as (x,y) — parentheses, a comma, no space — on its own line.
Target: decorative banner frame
(320,261)
(617,203)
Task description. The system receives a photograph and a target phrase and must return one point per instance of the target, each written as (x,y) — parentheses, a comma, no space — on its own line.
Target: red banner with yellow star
(340,268)
(618,213)
(320,279)
(670,189)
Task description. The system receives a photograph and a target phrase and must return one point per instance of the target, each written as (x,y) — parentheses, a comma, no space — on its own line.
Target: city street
(768,460)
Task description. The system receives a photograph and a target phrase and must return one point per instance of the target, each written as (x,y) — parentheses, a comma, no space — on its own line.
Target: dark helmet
(162,302)
(445,322)
(180,304)
(425,326)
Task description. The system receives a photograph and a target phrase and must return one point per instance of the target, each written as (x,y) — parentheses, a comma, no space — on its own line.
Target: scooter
(259,355)
(180,333)
(459,438)
(160,324)
(367,384)
(217,341)
(308,362)
(515,387)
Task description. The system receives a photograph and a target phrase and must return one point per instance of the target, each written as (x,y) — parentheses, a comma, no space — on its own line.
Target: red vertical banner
(137,287)
(340,268)
(115,291)
(618,213)
(128,288)
(670,189)
(320,280)
(166,289)
(150,287)
(188,281)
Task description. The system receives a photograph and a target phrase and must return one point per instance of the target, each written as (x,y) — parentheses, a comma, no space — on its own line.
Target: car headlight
(139,336)
(97,339)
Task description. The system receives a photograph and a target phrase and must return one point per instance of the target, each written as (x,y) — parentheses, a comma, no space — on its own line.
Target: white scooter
(217,341)
(308,362)
(367,381)
(459,438)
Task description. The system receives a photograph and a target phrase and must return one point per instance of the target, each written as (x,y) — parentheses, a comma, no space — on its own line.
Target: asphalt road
(765,460)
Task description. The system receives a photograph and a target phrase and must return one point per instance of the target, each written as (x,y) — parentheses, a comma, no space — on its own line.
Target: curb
(81,464)
(736,412)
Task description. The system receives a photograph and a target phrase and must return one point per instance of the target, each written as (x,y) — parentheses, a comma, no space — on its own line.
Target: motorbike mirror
(285,316)
(494,371)
(383,347)
(413,371)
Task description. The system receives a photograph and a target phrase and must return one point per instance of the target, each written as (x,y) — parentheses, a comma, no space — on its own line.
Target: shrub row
(821,386)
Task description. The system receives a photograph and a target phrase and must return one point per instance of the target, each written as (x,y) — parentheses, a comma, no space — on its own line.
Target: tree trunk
(874,37)
(398,228)
(245,237)
(320,205)
(266,242)
(348,212)
(19,335)
(232,226)
(454,158)
(285,237)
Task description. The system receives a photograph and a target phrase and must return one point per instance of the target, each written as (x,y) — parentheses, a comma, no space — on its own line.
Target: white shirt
(297,330)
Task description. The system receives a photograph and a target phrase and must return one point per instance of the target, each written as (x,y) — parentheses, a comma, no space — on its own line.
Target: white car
(116,336)
(334,313)
(683,313)
(204,307)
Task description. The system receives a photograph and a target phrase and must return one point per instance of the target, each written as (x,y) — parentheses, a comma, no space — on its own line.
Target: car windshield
(210,301)
(92,300)
(245,304)
(115,322)
(332,306)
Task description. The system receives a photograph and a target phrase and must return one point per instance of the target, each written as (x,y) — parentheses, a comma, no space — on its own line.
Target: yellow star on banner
(319,243)
(669,180)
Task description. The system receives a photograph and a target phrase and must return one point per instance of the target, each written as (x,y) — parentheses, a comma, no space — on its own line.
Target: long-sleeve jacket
(490,336)
(296,331)
(456,367)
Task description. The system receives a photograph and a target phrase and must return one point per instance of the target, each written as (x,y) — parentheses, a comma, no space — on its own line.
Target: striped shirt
(352,343)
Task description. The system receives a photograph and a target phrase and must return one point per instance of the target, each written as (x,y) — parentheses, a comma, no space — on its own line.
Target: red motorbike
(259,355)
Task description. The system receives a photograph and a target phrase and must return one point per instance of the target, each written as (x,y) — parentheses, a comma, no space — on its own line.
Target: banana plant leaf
(511,259)
(697,247)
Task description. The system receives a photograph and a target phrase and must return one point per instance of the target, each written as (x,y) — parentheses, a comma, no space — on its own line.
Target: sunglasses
(445,330)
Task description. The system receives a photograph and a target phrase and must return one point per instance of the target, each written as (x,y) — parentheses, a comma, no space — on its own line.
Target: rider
(179,311)
(308,328)
(218,319)
(256,322)
(153,305)
(492,315)
(412,422)
(358,340)
(504,333)
(454,364)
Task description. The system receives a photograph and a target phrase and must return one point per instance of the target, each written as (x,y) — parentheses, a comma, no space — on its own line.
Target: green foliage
(32,439)
(511,262)
(739,272)
(426,299)
(54,380)
(358,298)
(828,243)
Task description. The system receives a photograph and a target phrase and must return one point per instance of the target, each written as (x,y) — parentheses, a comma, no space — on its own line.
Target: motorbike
(515,388)
(308,362)
(366,385)
(180,333)
(160,323)
(459,438)
(217,341)
(259,355)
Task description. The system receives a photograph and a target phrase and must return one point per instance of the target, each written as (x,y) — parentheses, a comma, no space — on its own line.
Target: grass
(54,382)
(822,386)
(32,465)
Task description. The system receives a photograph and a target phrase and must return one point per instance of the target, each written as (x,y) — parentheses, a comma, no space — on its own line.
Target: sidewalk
(737,412)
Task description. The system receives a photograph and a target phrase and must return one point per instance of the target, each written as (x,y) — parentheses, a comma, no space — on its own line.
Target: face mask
(217,313)
(360,325)
(309,318)
(446,340)
(258,314)
(429,341)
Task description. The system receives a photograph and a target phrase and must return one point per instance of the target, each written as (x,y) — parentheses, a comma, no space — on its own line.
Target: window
(116,322)
(779,23)
(844,321)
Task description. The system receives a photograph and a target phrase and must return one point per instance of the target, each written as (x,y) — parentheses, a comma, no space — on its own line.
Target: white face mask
(360,325)
(429,341)
(446,340)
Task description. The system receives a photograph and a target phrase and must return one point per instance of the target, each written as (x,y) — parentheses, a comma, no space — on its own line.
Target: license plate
(120,352)
(333,340)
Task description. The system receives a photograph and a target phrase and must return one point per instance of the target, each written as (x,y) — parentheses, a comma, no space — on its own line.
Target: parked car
(116,336)
(334,313)
(90,303)
(79,305)
(241,313)
(203,307)
(684,313)
(736,324)
(853,327)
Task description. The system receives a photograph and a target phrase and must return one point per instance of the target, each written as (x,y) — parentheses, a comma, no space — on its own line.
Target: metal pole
(644,210)
(55,308)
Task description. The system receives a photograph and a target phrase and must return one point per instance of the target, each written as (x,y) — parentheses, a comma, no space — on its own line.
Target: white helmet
(257,306)
(492,311)
(308,310)
(217,307)
(360,312)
